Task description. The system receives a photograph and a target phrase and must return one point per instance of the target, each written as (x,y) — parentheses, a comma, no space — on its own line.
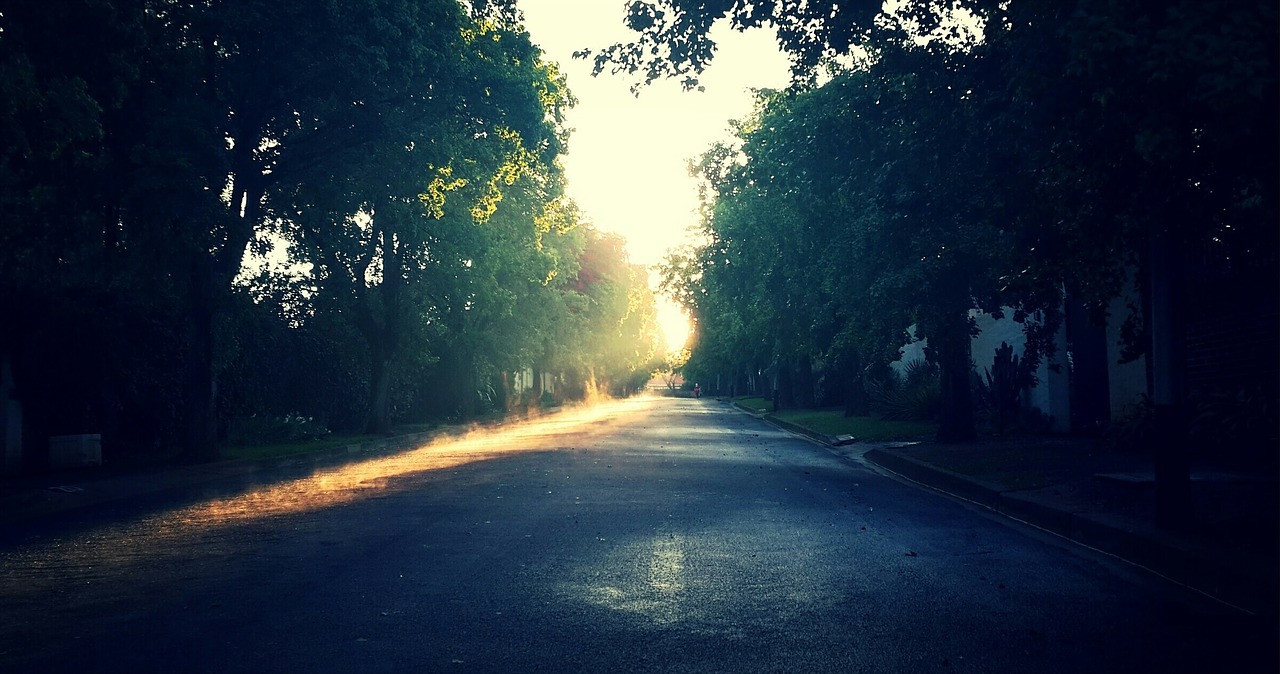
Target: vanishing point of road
(648,535)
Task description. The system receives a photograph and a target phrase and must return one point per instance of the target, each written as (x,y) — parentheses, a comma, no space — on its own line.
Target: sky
(627,165)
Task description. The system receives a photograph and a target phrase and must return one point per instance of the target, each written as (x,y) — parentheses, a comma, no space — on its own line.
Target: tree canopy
(943,158)
(346,211)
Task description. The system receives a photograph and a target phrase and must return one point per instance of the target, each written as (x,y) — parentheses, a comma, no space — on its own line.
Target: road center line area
(646,535)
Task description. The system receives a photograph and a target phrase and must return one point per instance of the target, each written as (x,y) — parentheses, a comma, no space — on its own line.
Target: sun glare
(343,484)
(628,159)
(675,324)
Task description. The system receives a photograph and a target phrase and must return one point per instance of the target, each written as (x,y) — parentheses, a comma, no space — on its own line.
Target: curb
(829,440)
(1251,592)
(800,430)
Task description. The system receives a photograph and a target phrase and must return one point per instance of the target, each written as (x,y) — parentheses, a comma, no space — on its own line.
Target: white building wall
(522,380)
(991,333)
(913,350)
(1052,395)
(1128,381)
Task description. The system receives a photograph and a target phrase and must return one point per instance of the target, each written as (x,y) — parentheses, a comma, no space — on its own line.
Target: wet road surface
(650,535)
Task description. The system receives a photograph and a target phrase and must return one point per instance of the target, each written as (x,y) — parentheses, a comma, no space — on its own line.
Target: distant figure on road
(697,390)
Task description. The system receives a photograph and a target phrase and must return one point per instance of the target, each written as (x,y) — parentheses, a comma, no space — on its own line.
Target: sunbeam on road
(89,558)
(343,484)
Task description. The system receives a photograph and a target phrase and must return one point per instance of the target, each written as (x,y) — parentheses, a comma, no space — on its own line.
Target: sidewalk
(1105,500)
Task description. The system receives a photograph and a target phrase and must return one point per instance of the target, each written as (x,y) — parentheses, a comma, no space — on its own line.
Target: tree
(402,85)
(98,210)
(1173,130)
(395,240)
(143,162)
(861,207)
(672,36)
(1145,132)
(903,145)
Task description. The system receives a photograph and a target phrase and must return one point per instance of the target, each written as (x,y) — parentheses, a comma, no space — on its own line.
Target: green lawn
(273,450)
(268,450)
(755,404)
(834,422)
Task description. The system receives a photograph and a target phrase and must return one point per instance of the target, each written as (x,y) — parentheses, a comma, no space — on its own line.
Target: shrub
(913,395)
(999,397)
(1243,423)
(266,429)
(1132,431)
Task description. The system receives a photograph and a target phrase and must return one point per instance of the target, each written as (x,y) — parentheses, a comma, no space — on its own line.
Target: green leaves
(937,177)
(388,168)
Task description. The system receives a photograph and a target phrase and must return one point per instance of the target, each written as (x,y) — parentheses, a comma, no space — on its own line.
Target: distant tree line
(345,211)
(1002,156)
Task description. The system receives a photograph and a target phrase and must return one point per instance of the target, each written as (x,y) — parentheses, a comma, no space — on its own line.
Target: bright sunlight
(628,160)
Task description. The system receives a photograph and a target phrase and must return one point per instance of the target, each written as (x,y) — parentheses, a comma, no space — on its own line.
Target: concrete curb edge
(1234,587)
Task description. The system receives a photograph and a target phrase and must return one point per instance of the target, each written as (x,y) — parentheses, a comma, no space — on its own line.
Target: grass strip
(863,428)
(278,449)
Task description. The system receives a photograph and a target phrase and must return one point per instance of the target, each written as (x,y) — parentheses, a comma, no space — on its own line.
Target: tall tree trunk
(200,383)
(383,336)
(1168,347)
(469,388)
(803,387)
(208,288)
(784,396)
(953,348)
(855,397)
(535,387)
(378,417)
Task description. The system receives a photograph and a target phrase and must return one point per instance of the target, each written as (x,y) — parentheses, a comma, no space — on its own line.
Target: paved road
(656,535)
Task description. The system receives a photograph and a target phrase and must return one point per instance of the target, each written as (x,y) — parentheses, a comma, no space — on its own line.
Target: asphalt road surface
(651,535)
